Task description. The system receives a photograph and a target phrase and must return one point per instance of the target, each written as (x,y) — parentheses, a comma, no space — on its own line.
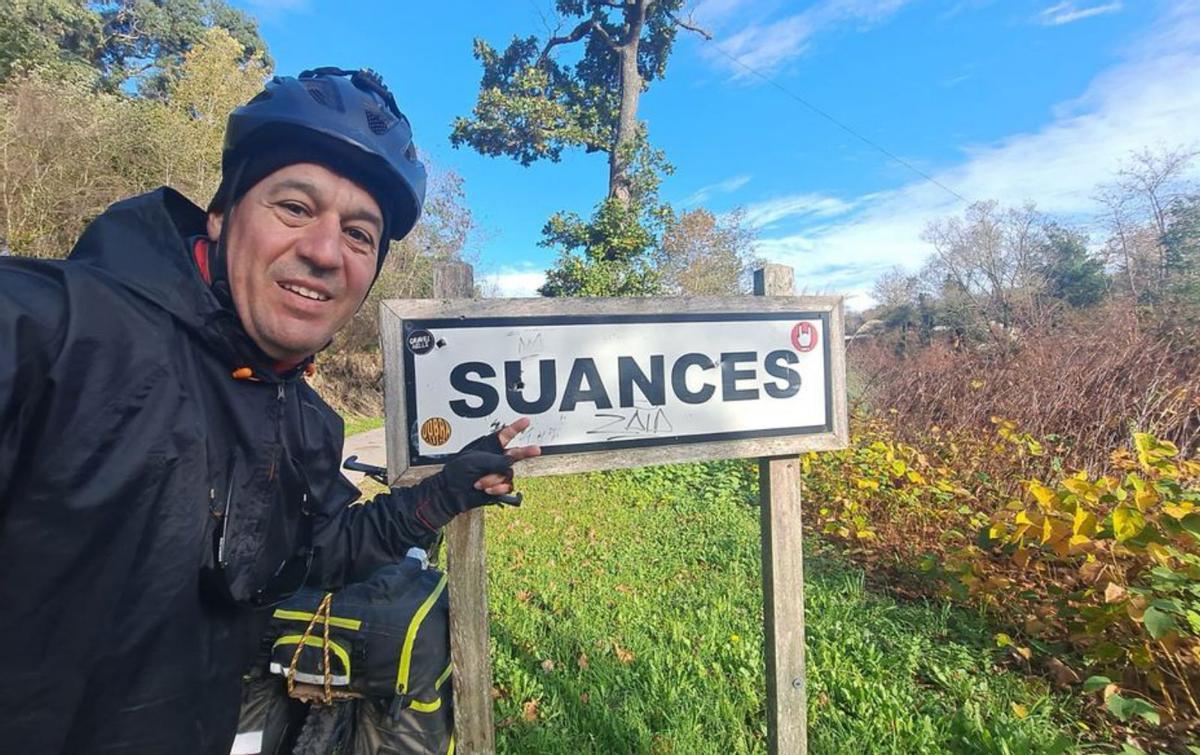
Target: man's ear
(215,221)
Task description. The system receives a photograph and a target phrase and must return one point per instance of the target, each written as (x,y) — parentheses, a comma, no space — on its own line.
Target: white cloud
(705,193)
(764,45)
(1068,12)
(764,214)
(1150,99)
(514,282)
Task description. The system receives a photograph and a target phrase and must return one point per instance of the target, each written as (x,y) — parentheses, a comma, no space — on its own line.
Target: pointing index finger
(509,432)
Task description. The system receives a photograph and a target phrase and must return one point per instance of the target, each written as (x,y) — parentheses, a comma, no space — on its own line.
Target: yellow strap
(450,750)
(335,621)
(429,707)
(436,703)
(445,675)
(411,637)
(316,642)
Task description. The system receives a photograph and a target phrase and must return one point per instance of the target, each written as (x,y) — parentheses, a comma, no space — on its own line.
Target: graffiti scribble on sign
(634,424)
(531,347)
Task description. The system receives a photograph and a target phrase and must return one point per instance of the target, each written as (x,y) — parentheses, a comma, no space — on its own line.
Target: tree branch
(600,32)
(690,25)
(578,33)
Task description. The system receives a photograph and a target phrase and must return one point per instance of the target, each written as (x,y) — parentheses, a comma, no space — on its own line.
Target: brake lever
(512,499)
(379,474)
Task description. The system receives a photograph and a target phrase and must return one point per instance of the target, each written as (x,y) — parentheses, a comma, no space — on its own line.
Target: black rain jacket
(122,436)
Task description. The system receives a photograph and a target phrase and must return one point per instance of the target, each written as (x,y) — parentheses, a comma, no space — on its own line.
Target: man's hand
(473,477)
(497,484)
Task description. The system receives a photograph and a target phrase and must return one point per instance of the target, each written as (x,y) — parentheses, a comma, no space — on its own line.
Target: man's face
(301,251)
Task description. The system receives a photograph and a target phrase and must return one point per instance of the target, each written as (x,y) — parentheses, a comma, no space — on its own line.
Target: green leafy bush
(1101,571)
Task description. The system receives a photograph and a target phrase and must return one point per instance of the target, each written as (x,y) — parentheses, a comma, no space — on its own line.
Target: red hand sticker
(804,336)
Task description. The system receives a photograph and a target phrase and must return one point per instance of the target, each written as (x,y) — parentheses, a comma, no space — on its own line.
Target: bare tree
(895,288)
(1137,213)
(991,254)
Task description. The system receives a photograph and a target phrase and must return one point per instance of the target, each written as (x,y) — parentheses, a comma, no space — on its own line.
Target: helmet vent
(379,123)
(324,94)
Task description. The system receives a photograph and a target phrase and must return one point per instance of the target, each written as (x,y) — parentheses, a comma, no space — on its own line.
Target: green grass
(627,618)
(356,424)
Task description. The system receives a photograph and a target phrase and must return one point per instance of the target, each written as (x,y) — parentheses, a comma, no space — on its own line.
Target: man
(165,471)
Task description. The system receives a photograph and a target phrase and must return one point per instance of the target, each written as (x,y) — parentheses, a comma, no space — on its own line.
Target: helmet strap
(218,256)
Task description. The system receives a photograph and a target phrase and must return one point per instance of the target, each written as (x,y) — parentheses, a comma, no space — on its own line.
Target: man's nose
(322,245)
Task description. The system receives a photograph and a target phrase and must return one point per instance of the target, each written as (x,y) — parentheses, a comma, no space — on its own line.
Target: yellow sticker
(435,431)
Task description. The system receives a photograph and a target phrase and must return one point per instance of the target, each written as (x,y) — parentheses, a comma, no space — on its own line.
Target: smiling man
(310,241)
(166,473)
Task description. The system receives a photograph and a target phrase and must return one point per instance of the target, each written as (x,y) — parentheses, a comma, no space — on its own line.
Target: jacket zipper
(225,512)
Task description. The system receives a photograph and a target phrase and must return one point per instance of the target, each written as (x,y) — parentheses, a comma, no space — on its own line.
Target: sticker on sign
(605,382)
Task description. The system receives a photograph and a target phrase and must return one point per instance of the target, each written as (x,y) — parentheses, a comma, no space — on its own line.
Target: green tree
(1182,244)
(47,34)
(606,256)
(143,39)
(530,107)
(611,253)
(186,126)
(122,44)
(1072,275)
(700,254)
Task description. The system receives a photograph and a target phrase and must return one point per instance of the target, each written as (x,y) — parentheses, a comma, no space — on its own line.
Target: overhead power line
(877,147)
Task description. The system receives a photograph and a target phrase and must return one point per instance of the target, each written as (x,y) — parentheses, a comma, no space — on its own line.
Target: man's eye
(359,236)
(294,208)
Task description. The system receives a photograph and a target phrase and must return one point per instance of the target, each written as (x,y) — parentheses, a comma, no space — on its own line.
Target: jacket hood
(143,244)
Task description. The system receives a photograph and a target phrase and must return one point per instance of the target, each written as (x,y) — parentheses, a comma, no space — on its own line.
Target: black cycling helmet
(345,120)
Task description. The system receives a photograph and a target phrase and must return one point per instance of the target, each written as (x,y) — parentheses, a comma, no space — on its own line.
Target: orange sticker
(435,431)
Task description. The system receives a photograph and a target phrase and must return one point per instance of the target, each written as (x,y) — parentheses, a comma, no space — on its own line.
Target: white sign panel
(594,382)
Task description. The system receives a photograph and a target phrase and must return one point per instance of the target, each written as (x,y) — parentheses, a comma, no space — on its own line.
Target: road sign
(678,379)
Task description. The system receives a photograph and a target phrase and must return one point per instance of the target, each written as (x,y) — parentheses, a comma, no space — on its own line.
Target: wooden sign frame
(394,313)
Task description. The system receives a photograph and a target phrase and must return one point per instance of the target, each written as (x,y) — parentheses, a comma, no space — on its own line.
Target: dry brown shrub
(68,152)
(59,145)
(1085,382)
(351,382)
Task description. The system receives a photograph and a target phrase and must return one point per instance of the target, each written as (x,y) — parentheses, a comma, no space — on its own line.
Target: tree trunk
(631,91)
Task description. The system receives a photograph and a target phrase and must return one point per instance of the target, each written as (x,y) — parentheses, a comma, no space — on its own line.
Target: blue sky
(1011,100)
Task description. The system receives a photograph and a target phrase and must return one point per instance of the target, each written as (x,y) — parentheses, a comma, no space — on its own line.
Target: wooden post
(783,576)
(466,570)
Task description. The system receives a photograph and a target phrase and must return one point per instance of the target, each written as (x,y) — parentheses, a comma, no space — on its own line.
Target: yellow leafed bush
(1101,567)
